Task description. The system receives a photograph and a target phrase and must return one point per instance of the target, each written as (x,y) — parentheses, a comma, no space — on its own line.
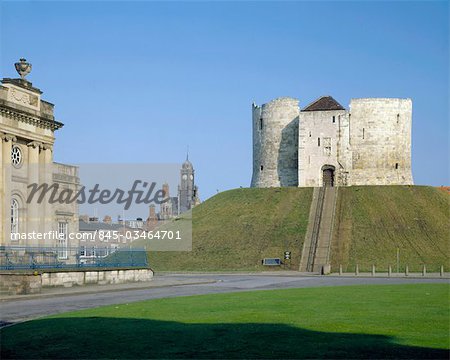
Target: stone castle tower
(325,144)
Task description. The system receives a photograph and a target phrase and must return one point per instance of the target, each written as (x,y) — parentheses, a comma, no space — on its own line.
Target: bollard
(326,269)
(406,270)
(373,270)
(441,272)
(389,270)
(340,269)
(357,270)
(424,270)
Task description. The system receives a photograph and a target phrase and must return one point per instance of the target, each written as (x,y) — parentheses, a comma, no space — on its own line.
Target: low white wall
(31,283)
(101,277)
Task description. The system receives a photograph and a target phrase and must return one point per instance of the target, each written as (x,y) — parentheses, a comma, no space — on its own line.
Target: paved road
(25,309)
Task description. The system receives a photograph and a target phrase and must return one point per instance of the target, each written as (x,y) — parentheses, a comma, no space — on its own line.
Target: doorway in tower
(328,175)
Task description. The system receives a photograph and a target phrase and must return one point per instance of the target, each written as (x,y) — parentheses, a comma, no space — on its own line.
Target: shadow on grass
(98,337)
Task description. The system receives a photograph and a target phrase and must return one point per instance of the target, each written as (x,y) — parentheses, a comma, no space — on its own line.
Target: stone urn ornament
(23,68)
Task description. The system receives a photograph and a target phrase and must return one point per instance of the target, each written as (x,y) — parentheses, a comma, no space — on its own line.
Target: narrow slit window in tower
(398,118)
(261,168)
(260,123)
(318,141)
(396,166)
(349,136)
(334,119)
(363,133)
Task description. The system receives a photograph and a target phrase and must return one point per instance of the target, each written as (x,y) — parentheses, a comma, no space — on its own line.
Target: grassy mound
(349,322)
(235,229)
(372,222)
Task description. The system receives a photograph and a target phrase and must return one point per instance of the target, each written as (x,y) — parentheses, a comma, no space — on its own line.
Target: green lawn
(392,321)
(372,222)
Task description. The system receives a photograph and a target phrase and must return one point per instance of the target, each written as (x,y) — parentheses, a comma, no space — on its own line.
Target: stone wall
(102,277)
(320,144)
(26,283)
(380,140)
(275,143)
(19,284)
(368,145)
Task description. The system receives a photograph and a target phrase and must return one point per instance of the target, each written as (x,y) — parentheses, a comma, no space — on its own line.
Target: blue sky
(139,81)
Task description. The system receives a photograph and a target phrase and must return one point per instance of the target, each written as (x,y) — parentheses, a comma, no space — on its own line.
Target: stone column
(7,141)
(46,159)
(33,212)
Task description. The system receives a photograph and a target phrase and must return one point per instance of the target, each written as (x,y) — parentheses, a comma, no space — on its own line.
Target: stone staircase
(316,248)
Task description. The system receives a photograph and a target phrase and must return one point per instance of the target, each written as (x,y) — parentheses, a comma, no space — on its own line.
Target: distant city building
(173,206)
(99,239)
(135,224)
(188,195)
(169,208)
(152,220)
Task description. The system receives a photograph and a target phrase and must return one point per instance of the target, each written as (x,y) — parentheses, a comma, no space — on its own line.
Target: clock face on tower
(191,177)
(184,177)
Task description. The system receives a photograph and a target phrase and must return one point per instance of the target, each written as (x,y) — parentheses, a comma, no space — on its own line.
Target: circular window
(16,156)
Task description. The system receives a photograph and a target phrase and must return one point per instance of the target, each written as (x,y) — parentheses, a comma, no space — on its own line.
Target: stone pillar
(7,140)
(47,178)
(33,212)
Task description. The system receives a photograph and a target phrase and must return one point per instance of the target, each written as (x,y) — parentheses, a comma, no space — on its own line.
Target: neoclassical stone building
(325,144)
(27,135)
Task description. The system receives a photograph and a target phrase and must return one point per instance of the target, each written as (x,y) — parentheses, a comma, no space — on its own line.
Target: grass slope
(235,229)
(379,322)
(373,221)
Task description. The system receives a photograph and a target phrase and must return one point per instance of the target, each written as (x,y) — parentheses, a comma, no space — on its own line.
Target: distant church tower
(187,190)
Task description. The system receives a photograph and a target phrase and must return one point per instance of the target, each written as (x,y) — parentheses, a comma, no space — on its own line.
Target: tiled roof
(324,103)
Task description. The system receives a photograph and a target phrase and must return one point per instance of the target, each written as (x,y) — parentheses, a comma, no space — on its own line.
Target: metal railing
(26,257)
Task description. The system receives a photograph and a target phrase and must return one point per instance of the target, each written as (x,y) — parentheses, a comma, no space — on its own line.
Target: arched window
(14,216)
